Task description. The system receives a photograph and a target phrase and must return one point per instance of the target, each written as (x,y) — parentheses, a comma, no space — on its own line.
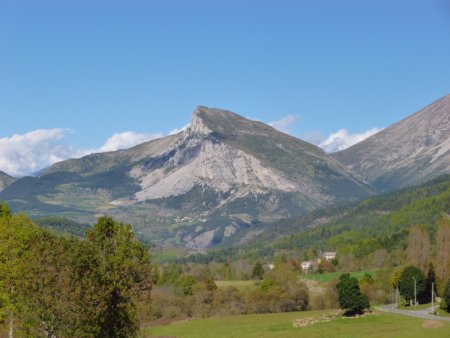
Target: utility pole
(397,296)
(415,292)
(432,297)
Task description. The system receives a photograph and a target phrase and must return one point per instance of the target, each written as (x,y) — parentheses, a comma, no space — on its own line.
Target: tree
(50,290)
(445,302)
(395,276)
(122,274)
(258,271)
(350,297)
(418,250)
(443,254)
(412,275)
(16,233)
(325,266)
(186,283)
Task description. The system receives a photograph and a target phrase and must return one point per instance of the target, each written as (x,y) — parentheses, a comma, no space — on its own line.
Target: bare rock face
(197,157)
(409,152)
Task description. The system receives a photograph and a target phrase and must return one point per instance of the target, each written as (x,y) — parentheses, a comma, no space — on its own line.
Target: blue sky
(86,70)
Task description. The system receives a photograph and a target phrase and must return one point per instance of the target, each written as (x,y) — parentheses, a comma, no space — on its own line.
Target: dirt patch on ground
(432,324)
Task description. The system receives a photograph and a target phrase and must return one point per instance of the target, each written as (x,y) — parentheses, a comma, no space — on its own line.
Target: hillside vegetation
(357,230)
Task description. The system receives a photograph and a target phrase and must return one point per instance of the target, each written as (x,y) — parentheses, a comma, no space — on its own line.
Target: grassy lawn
(241,285)
(280,325)
(414,308)
(327,277)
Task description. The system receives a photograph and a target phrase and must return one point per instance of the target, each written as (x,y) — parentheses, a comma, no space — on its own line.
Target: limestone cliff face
(197,157)
(409,152)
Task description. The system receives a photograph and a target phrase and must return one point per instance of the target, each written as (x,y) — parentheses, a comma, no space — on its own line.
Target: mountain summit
(223,172)
(409,152)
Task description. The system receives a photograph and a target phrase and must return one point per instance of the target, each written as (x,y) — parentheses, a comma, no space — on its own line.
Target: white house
(329,255)
(306,266)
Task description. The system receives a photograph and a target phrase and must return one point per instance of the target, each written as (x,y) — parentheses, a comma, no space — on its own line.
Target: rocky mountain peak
(408,152)
(198,125)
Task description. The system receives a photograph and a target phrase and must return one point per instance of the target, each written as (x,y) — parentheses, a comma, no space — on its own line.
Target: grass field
(327,277)
(241,285)
(280,325)
(415,308)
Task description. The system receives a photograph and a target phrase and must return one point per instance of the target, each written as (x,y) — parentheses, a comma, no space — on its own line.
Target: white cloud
(178,130)
(341,139)
(126,140)
(284,124)
(25,154)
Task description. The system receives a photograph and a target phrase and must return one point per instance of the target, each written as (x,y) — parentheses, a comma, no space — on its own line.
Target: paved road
(425,313)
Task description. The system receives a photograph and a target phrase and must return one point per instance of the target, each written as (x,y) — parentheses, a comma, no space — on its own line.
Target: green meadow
(241,285)
(281,325)
(328,277)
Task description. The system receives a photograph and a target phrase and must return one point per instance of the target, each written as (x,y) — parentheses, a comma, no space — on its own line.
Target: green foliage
(186,283)
(406,284)
(367,279)
(170,275)
(396,275)
(378,222)
(123,269)
(16,235)
(4,210)
(62,225)
(350,297)
(57,286)
(258,271)
(445,302)
(325,266)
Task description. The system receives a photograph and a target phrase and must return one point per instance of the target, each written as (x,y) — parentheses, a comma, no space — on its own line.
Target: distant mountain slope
(409,152)
(196,187)
(359,228)
(5,180)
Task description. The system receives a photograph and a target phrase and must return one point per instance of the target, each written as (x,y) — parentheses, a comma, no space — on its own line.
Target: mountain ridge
(406,153)
(225,171)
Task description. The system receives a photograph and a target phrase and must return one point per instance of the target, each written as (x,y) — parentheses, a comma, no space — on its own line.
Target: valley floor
(378,324)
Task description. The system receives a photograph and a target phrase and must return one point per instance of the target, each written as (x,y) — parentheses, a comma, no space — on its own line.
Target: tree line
(63,286)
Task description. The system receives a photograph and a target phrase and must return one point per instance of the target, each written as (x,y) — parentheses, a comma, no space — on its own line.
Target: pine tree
(350,297)
(258,271)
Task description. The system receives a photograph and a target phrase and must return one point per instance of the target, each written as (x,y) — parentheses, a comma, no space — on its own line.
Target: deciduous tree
(418,252)
(443,254)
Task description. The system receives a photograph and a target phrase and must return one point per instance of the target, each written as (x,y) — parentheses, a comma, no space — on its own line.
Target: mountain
(409,152)
(5,180)
(222,174)
(357,229)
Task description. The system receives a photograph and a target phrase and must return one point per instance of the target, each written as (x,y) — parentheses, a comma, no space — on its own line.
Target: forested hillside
(355,230)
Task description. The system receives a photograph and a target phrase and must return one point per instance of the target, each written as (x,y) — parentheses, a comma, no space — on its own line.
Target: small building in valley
(306,266)
(329,255)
